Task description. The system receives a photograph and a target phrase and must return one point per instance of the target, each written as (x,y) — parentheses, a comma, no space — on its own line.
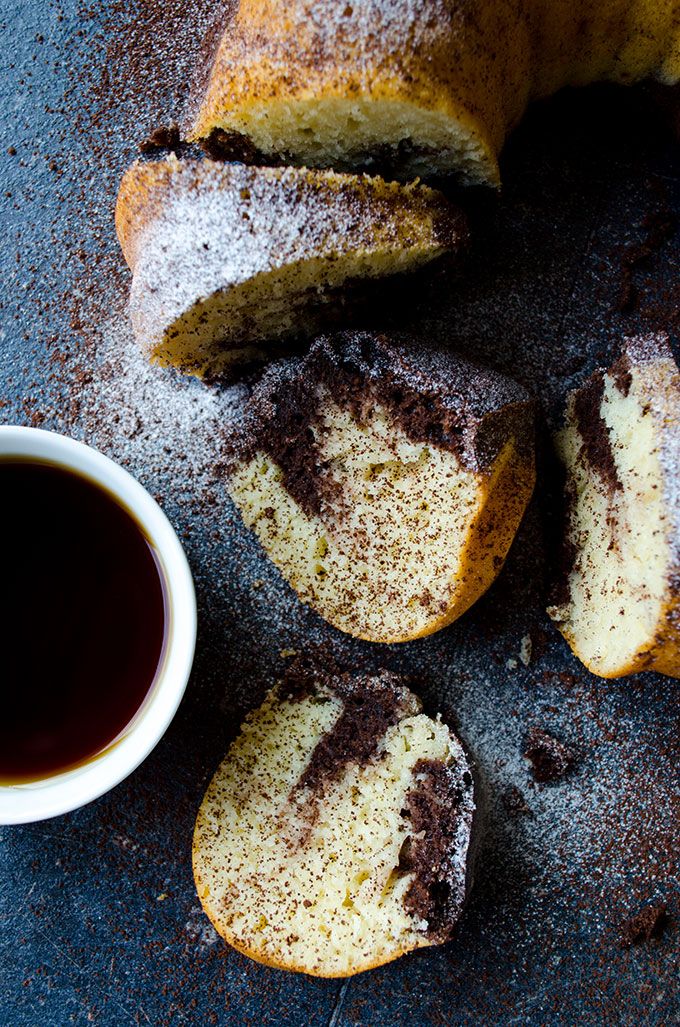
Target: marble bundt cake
(336,834)
(226,258)
(385,480)
(428,86)
(617,603)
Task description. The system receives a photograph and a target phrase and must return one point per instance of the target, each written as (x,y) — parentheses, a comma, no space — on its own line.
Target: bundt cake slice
(336,834)
(422,86)
(226,258)
(617,601)
(385,480)
(416,87)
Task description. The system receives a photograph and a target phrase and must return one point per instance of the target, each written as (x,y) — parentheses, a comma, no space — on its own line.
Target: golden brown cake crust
(475,62)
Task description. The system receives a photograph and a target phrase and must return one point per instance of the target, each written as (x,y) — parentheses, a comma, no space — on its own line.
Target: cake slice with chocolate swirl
(385,479)
(228,259)
(336,834)
(617,601)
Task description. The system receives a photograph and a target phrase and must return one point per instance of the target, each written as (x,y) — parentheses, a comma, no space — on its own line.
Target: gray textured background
(99,922)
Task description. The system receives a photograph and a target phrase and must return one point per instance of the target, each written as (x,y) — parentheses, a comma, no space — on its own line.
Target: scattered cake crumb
(525,650)
(550,759)
(514,801)
(649,923)
(163,137)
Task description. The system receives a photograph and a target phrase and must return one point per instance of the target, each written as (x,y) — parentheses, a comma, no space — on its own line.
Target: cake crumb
(514,801)
(649,923)
(163,137)
(550,759)
(525,648)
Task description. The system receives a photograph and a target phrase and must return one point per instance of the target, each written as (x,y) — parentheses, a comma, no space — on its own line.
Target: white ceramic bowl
(37,800)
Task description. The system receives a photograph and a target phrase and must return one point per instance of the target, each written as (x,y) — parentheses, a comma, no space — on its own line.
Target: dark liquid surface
(82,619)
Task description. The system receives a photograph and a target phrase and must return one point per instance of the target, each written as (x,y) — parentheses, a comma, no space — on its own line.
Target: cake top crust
(301,39)
(241,219)
(435,397)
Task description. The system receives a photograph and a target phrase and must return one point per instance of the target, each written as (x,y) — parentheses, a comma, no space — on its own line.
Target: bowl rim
(72,788)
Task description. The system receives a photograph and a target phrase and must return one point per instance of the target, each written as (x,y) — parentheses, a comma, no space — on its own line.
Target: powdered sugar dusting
(373,29)
(209,227)
(397,23)
(136,412)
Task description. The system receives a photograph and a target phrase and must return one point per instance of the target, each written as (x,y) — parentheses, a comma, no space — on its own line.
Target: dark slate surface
(99,922)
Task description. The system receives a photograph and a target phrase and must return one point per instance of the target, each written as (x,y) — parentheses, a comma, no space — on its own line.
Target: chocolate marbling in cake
(336,835)
(616,598)
(385,479)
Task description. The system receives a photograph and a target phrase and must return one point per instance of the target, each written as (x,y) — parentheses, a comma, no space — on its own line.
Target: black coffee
(82,619)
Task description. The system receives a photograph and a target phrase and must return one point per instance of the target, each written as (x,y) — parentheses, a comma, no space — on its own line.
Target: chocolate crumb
(621,374)
(231,146)
(514,801)
(163,137)
(550,759)
(649,923)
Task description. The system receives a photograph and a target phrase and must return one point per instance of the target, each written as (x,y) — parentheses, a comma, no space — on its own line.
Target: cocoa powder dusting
(657,227)
(537,301)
